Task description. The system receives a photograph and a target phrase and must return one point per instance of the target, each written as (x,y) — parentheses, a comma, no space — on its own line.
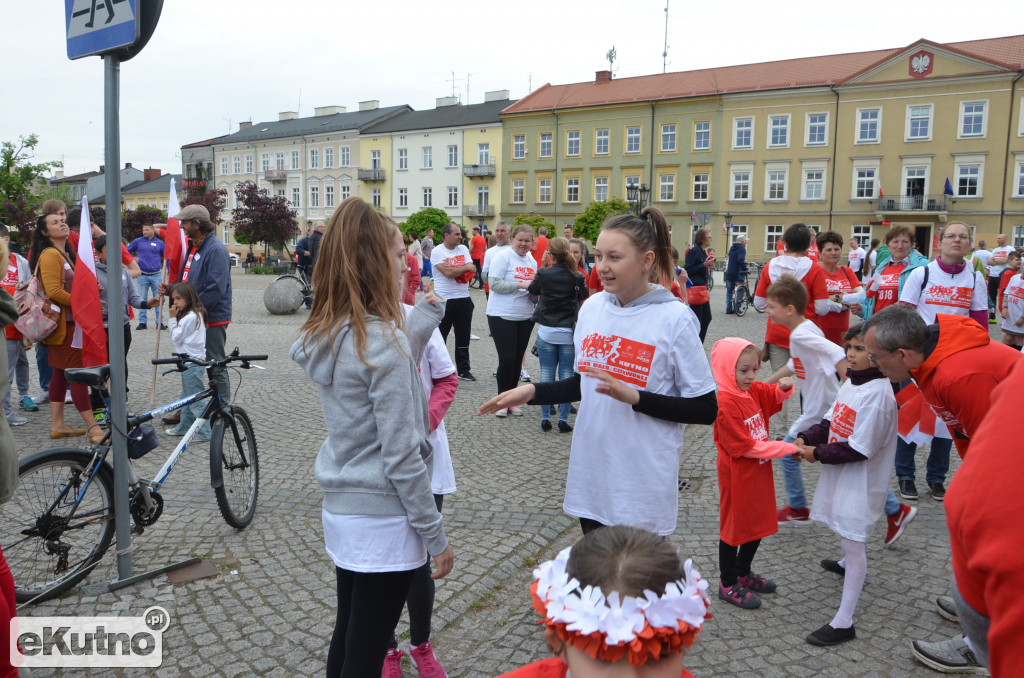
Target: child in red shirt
(746,487)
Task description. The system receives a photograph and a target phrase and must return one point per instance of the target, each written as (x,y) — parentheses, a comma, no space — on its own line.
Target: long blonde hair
(353,276)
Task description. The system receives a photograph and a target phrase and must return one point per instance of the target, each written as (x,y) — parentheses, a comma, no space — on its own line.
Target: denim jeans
(793,477)
(938,460)
(730,285)
(562,356)
(192,382)
(43,366)
(147,282)
(892,504)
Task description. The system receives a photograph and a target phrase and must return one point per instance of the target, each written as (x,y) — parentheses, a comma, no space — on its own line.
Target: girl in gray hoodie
(380,520)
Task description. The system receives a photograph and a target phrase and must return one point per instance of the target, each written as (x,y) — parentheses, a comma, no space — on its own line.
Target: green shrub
(259,269)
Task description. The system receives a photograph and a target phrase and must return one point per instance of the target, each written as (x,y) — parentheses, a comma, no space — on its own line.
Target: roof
(205,142)
(84,176)
(820,71)
(317,124)
(161,184)
(445,116)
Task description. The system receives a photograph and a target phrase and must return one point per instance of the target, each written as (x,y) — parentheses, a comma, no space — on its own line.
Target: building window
(375,197)
(403,158)
(545,145)
(572,143)
(972,119)
(403,197)
(668,137)
(248,164)
(329,195)
(633,139)
(279,160)
(736,232)
(236,165)
(264,162)
(296,197)
(701,181)
(862,234)
(544,190)
(453,156)
(601,139)
(314,158)
(483,198)
(572,189)
(374,159)
(314,195)
(600,189)
(343,156)
(518,191)
(778,131)
(518,146)
(919,119)
(428,157)
(224,164)
(631,181)
(346,191)
(869,123)
(1018,184)
(817,129)
(968,180)
(702,136)
(742,133)
(1018,236)
(329,157)
(865,183)
(428,197)
(740,186)
(483,154)
(224,231)
(453,196)
(666,187)
(295,160)
(772,236)
(776,188)
(814,185)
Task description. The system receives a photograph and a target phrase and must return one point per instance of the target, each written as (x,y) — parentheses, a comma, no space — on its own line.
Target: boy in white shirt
(814,360)
(856,258)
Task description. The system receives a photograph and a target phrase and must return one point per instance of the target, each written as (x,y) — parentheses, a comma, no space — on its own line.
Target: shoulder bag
(38,316)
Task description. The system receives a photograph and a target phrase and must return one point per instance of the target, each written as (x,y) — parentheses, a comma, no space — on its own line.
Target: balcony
(275,175)
(912,203)
(371,174)
(478,171)
(479,211)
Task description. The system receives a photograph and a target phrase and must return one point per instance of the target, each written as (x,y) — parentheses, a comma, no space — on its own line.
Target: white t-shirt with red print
(624,465)
(850,498)
(509,265)
(813,358)
(955,294)
(1013,301)
(445,287)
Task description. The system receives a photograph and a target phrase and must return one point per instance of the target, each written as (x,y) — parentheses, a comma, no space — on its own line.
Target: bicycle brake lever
(257,367)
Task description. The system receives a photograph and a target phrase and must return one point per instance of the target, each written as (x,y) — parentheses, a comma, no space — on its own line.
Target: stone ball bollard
(282,297)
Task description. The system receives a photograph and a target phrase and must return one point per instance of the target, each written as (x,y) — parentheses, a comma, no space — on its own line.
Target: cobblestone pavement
(270,610)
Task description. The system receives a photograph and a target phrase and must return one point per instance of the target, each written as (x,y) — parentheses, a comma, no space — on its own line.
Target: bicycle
(742,297)
(60,522)
(305,283)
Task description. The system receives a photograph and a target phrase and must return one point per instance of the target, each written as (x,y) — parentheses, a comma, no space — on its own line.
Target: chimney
(441,102)
(244,125)
(149,173)
(371,105)
(604,76)
(102,169)
(287,115)
(59,175)
(328,110)
(127,165)
(497,95)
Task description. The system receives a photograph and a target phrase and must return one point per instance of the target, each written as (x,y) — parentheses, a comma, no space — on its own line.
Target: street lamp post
(637,196)
(728,227)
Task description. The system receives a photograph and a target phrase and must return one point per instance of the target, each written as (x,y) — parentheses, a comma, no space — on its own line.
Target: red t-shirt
(887,291)
(10,283)
(812,252)
(1004,280)
(477,247)
(540,248)
(594,281)
(814,281)
(843,281)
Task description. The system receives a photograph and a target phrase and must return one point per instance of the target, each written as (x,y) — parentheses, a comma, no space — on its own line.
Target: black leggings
(511,337)
(703,313)
(369,605)
(420,600)
(734,561)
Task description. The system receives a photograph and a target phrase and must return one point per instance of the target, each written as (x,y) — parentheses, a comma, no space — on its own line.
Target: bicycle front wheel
(234,466)
(742,301)
(711,279)
(48,548)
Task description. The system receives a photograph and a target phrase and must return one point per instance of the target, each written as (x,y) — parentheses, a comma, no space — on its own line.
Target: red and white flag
(85,299)
(175,244)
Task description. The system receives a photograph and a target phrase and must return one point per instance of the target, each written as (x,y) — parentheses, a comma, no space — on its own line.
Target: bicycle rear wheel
(234,466)
(742,301)
(711,279)
(48,551)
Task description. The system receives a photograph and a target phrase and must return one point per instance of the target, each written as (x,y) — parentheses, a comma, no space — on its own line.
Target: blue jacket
(696,265)
(210,272)
(737,262)
(301,248)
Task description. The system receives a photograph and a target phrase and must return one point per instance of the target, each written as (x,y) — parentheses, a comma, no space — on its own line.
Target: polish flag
(175,245)
(85,299)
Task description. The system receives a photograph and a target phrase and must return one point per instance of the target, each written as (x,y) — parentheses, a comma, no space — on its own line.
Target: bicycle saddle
(90,376)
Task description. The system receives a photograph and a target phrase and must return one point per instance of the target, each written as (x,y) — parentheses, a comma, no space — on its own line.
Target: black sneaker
(908,490)
(563,426)
(827,635)
(545,425)
(467,376)
(938,491)
(162,326)
(834,566)
(140,326)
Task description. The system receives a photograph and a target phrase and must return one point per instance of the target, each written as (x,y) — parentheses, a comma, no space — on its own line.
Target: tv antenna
(468,102)
(610,56)
(664,53)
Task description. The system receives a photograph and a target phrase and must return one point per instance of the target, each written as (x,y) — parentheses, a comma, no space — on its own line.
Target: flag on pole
(85,299)
(949,188)
(175,245)
(880,194)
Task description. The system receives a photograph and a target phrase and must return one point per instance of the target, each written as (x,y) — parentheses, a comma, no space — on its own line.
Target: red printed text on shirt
(626,359)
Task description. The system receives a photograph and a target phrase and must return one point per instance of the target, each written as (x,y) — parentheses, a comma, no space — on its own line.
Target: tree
(588,224)
(427,218)
(214,199)
(132,221)
(22,184)
(261,217)
(536,221)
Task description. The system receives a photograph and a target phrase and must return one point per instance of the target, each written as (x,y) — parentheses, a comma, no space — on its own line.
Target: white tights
(855,560)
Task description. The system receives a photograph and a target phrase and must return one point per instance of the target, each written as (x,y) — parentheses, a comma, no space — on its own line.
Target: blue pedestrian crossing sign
(99,26)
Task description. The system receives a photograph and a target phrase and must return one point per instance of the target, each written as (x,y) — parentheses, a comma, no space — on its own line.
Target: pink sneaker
(425,662)
(392,664)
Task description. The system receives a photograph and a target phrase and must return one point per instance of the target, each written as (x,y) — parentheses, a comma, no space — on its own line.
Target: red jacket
(982,505)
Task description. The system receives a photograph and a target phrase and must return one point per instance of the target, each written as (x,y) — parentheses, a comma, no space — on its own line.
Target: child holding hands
(746,487)
(856,442)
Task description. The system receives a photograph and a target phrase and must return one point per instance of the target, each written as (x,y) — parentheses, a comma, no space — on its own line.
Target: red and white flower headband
(608,627)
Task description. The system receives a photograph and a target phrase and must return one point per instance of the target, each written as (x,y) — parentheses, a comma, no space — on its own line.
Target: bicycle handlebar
(181,359)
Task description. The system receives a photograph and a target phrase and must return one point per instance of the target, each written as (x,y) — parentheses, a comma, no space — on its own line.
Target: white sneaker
(68,398)
(14,419)
(524,375)
(41,397)
(501,413)
(173,432)
(473,337)
(515,411)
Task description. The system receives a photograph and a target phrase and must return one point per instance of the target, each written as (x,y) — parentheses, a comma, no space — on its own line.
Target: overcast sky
(214,63)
